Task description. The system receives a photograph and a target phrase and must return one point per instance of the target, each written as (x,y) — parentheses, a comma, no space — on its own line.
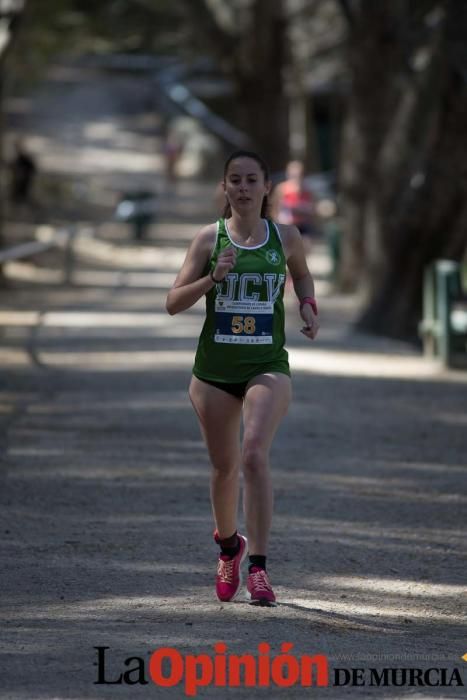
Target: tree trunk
(434,225)
(259,76)
(373,52)
(251,51)
(403,175)
(419,203)
(13,32)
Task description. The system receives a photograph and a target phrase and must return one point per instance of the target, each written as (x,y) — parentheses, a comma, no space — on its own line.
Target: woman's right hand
(225,262)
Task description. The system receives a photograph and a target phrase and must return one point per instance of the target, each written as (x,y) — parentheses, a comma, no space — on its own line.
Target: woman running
(241,367)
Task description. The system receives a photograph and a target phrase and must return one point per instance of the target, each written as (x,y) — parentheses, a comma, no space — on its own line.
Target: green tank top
(243,334)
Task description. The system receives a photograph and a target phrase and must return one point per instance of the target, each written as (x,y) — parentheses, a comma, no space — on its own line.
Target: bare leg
(266,402)
(219,416)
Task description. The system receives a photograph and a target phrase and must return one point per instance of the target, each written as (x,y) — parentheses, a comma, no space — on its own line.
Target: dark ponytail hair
(227,213)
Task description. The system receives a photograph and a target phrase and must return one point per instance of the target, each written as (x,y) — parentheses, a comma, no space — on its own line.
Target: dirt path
(105,516)
(105,513)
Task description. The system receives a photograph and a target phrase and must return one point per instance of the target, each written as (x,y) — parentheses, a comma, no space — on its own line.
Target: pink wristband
(312,302)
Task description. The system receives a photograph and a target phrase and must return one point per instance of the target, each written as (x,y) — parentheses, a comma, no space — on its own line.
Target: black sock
(230,545)
(256,560)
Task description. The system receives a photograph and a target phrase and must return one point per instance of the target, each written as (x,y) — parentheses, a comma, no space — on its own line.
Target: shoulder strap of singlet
(221,229)
(276,233)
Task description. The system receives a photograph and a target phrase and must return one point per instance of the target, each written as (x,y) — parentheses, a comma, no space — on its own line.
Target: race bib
(244,322)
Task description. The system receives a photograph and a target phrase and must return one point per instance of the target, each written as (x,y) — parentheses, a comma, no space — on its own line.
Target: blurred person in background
(23,170)
(293,202)
(172,151)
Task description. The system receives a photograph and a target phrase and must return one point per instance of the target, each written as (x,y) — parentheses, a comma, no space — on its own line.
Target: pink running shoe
(229,576)
(258,588)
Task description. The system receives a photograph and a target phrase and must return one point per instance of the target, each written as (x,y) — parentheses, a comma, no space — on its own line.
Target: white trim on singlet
(215,240)
(278,234)
(248,247)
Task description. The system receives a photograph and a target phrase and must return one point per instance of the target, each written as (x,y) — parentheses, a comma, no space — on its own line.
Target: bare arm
(191,284)
(302,280)
(296,262)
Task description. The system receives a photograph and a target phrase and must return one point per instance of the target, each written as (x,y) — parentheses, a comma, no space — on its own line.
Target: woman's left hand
(310,329)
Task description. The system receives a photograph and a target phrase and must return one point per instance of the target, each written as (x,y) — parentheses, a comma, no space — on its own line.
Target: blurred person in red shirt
(293,201)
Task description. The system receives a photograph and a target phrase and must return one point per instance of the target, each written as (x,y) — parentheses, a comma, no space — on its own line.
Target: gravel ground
(105,511)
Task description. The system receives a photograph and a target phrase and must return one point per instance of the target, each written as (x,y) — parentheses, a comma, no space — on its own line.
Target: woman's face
(245,185)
